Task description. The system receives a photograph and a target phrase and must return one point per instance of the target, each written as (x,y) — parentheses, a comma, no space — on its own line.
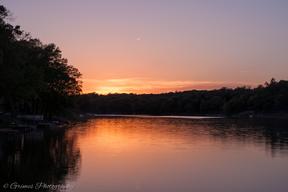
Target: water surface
(111,154)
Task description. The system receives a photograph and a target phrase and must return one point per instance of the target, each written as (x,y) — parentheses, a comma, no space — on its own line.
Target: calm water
(125,154)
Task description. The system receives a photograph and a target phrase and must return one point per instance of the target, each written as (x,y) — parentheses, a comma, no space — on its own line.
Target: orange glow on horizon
(140,86)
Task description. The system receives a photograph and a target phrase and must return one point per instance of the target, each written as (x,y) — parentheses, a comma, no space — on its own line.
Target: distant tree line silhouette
(34,77)
(267,98)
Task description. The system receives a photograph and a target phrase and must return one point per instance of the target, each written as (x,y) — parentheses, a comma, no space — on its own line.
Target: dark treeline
(268,98)
(34,77)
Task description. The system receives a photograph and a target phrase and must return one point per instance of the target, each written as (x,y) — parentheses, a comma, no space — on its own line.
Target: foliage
(272,97)
(34,77)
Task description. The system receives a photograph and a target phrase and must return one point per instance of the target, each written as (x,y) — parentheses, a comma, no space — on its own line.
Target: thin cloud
(144,85)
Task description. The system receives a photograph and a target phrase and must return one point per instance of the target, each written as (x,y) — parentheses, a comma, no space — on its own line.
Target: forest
(272,97)
(34,77)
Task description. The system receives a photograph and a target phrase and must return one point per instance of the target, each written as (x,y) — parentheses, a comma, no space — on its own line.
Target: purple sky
(163,45)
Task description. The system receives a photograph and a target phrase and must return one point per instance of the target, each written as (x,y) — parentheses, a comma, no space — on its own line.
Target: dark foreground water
(127,154)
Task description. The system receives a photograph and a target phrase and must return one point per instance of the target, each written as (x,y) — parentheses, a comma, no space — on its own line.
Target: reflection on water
(38,158)
(152,154)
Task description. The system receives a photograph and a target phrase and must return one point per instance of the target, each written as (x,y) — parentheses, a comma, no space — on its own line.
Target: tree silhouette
(34,77)
(272,97)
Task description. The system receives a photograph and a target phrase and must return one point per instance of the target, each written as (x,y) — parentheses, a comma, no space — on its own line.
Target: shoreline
(160,116)
(242,115)
(15,125)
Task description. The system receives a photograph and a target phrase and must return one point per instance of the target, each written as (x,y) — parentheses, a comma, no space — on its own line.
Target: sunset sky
(152,46)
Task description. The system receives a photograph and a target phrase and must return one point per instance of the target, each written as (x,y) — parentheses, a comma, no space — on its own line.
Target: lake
(149,154)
